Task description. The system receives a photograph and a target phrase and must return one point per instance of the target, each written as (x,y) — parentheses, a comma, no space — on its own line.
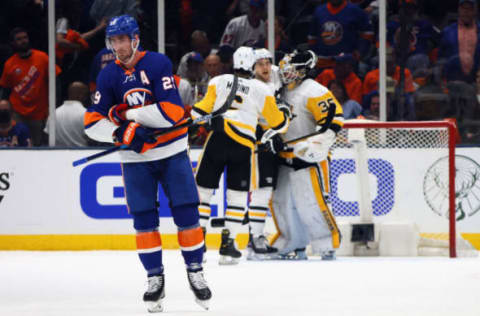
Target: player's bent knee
(185,215)
(145,221)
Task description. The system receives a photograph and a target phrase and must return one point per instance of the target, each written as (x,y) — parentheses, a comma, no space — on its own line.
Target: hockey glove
(285,108)
(316,148)
(117,114)
(273,145)
(133,135)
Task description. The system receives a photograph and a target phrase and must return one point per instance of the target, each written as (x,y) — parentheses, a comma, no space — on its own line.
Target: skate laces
(154,283)
(197,280)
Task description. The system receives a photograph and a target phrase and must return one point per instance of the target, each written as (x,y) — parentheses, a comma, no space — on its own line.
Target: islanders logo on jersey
(331,32)
(138,97)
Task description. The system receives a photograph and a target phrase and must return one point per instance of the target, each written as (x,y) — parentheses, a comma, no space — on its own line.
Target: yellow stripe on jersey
(233,135)
(318,106)
(327,214)
(208,101)
(274,117)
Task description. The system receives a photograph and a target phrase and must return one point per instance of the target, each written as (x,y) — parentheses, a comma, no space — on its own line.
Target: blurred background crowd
(433,54)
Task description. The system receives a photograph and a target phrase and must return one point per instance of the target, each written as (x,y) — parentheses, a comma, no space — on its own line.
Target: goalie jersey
(253,100)
(310,101)
(151,90)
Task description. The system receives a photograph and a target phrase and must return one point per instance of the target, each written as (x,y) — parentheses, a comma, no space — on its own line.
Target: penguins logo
(467,189)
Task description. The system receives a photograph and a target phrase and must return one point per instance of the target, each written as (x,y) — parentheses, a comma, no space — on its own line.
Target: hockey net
(384,172)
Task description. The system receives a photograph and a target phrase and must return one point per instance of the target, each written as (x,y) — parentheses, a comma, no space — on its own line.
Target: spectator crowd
(433,56)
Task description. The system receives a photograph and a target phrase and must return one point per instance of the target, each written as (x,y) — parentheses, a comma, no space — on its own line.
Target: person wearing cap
(200,44)
(460,42)
(247,29)
(12,134)
(343,72)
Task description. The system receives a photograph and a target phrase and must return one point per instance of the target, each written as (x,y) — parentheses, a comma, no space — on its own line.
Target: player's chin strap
(189,122)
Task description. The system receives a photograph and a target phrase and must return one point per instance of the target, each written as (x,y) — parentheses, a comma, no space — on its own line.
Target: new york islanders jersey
(149,89)
(252,100)
(336,30)
(311,101)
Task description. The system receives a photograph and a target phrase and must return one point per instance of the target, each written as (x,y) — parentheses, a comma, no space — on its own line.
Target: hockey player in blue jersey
(136,95)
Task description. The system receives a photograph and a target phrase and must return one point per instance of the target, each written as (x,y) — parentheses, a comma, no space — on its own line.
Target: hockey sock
(204,209)
(149,242)
(257,211)
(235,212)
(190,234)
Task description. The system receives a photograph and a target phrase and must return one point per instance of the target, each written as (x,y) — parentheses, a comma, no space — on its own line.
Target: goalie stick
(189,122)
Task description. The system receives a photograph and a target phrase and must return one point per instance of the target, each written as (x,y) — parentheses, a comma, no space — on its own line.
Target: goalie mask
(295,66)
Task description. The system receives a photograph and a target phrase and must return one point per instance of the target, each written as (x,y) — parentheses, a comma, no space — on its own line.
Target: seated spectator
(196,75)
(186,92)
(213,66)
(102,58)
(462,39)
(12,134)
(351,108)
(69,128)
(343,72)
(370,82)
(372,111)
(25,74)
(226,59)
(200,44)
(337,27)
(245,30)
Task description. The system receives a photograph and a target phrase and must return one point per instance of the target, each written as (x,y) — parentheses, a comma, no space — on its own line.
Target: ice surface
(95,283)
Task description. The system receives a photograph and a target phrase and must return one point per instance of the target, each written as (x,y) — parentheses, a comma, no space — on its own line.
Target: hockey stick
(188,123)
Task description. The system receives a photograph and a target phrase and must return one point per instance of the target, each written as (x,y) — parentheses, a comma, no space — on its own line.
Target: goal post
(394,154)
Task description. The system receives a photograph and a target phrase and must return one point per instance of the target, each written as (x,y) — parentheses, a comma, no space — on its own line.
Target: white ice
(112,283)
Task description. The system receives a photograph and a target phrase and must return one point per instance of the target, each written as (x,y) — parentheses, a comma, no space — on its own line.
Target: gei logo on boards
(102,194)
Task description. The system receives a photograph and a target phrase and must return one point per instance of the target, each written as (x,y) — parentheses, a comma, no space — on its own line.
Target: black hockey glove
(273,144)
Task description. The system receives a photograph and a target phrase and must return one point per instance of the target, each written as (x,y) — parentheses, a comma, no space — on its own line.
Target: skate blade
(253,256)
(155,307)
(205,304)
(227,260)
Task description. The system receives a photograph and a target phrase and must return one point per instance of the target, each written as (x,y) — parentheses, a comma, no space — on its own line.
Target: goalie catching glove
(315,148)
(134,136)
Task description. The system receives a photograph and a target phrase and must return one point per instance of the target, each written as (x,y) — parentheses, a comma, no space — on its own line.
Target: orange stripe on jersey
(174,111)
(177,80)
(148,240)
(191,238)
(92,117)
(164,138)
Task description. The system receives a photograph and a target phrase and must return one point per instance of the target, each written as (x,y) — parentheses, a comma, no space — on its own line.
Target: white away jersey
(239,32)
(252,100)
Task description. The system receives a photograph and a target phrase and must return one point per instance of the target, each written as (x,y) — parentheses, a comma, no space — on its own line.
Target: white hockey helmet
(261,53)
(244,59)
(296,65)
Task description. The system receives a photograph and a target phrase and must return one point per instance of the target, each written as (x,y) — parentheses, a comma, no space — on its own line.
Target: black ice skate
(258,248)
(199,287)
(228,253)
(155,293)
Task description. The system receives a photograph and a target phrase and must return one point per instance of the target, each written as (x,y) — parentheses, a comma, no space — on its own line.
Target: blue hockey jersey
(149,88)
